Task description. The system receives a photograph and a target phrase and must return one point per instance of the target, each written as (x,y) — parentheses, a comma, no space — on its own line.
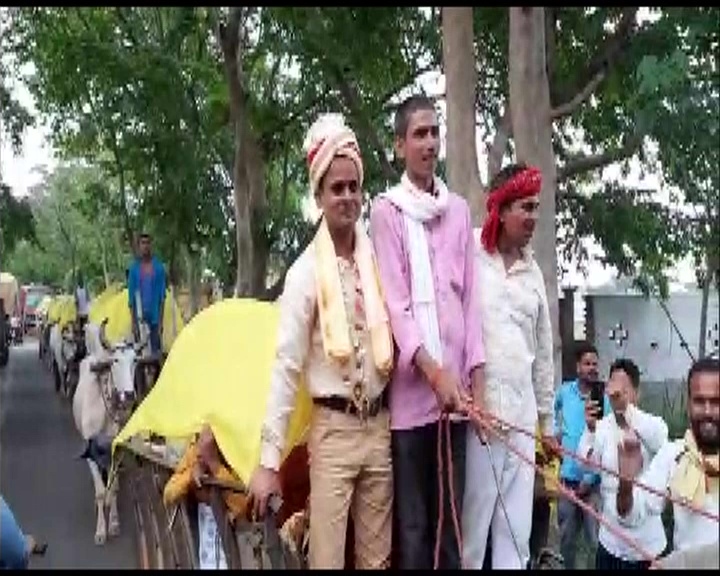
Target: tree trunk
(255,165)
(460,87)
(249,167)
(230,42)
(129,235)
(194,283)
(243,224)
(702,343)
(532,131)
(103,261)
(711,270)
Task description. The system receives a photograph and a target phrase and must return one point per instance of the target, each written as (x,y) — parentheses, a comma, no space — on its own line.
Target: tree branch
(228,40)
(352,100)
(272,77)
(496,151)
(568,108)
(583,163)
(127,26)
(603,60)
(273,293)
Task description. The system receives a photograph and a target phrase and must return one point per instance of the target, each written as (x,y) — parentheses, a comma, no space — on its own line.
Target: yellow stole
(331,306)
(690,480)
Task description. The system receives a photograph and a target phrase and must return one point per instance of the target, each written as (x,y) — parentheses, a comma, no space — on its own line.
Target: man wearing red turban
(519,373)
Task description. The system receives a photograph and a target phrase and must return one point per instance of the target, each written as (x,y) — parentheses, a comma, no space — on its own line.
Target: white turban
(327,138)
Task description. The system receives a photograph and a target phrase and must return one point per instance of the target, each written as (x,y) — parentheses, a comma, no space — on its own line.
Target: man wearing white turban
(334,331)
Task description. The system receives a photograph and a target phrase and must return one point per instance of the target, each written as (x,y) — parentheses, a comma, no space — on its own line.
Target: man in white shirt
(599,443)
(82,301)
(686,468)
(518,375)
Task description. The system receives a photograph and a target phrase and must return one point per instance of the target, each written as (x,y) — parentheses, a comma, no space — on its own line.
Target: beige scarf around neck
(690,479)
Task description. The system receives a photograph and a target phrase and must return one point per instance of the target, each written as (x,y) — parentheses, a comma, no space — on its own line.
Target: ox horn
(103,338)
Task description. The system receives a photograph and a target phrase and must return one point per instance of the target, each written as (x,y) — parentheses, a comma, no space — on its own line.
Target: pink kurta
(450,242)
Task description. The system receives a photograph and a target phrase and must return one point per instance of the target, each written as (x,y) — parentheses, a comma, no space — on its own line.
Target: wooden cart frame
(167,537)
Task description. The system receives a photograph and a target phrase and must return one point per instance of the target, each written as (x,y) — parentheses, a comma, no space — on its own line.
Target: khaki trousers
(350,475)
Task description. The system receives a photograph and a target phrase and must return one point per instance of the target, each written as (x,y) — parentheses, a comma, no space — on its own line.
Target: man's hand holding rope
(481,426)
(444,383)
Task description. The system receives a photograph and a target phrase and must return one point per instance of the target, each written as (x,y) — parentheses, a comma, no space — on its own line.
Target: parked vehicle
(4,335)
(31,296)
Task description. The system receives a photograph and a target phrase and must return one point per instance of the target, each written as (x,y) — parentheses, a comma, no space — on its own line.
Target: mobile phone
(597,395)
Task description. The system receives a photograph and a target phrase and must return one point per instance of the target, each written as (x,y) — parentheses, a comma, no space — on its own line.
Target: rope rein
(444,425)
(478,417)
(596,466)
(570,495)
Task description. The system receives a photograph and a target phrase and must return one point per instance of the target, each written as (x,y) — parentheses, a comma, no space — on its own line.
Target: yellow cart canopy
(114,307)
(218,373)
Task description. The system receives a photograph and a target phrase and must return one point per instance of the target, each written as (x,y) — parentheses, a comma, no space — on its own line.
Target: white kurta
(602,447)
(519,389)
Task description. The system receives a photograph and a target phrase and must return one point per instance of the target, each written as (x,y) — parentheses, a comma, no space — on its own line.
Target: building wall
(652,342)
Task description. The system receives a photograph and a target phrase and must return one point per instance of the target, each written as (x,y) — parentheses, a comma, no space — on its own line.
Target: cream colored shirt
(300,349)
(518,340)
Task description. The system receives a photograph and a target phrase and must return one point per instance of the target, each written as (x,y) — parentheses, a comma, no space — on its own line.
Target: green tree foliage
(71,234)
(16,223)
(143,95)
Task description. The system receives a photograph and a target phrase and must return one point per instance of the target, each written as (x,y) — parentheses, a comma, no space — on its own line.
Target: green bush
(674,412)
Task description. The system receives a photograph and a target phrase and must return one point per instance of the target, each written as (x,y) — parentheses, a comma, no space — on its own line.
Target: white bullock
(57,359)
(105,392)
(63,348)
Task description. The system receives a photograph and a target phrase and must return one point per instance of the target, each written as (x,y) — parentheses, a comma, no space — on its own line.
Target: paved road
(41,477)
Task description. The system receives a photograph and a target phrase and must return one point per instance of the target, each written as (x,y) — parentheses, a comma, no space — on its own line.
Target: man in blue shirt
(15,546)
(146,278)
(569,415)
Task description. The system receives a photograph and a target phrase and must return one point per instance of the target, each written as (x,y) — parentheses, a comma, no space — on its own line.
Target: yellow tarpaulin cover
(119,327)
(52,310)
(218,373)
(551,469)
(42,308)
(61,309)
(68,312)
(95,314)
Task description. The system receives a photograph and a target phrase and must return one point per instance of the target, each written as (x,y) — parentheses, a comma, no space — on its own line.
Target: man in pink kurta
(423,240)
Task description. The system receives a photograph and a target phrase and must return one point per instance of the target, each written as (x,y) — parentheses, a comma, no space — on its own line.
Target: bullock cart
(42,330)
(112,381)
(112,306)
(215,385)
(175,535)
(215,380)
(61,315)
